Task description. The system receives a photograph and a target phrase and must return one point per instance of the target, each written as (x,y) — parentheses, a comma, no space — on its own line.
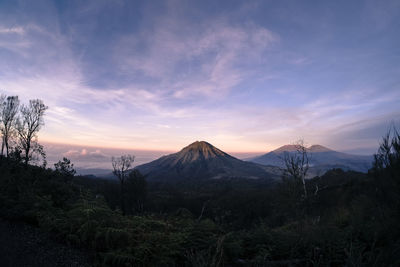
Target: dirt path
(22,245)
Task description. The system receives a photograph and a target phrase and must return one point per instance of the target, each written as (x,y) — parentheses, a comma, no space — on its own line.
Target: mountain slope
(322,159)
(201,160)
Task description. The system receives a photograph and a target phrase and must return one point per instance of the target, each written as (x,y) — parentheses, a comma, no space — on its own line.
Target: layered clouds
(243,77)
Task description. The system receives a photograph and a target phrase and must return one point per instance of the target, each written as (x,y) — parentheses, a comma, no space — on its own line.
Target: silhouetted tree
(136,190)
(65,167)
(388,156)
(121,166)
(386,168)
(9,116)
(297,164)
(2,98)
(2,102)
(28,126)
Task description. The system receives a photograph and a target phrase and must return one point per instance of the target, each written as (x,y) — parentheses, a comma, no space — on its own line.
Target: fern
(119,259)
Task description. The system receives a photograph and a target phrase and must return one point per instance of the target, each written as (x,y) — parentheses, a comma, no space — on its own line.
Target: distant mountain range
(201,160)
(322,159)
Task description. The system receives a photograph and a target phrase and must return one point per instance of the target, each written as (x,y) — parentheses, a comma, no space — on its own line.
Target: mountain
(322,159)
(201,160)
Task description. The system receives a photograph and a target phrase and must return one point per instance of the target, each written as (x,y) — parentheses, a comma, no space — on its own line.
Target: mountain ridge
(201,160)
(321,160)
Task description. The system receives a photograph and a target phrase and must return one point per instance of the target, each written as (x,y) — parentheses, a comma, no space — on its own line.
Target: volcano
(321,159)
(201,160)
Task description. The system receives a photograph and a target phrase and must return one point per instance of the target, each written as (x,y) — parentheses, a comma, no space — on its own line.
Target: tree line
(19,127)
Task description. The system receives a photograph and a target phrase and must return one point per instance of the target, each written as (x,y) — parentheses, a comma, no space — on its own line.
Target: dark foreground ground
(24,245)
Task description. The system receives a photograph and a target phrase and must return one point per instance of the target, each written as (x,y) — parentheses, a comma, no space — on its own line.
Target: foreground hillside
(25,245)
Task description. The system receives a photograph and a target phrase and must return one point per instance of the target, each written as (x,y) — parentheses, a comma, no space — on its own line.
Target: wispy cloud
(133,74)
(85,154)
(17,30)
(209,61)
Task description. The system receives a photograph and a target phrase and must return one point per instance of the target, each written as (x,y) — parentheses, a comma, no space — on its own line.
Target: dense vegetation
(352,219)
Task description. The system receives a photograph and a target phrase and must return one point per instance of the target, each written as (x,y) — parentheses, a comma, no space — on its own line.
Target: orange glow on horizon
(60,142)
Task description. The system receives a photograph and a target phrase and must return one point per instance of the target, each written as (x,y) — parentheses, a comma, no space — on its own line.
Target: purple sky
(246,76)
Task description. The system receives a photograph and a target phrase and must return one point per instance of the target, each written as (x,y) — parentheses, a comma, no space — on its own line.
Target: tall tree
(121,166)
(386,173)
(2,102)
(9,115)
(136,189)
(388,156)
(297,164)
(29,125)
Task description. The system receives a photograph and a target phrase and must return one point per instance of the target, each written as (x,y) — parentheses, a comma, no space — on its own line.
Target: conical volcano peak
(318,148)
(201,160)
(292,148)
(201,149)
(284,148)
(199,145)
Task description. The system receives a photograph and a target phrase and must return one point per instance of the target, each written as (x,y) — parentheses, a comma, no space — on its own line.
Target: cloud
(17,30)
(86,155)
(209,61)
(300,61)
(59,77)
(110,77)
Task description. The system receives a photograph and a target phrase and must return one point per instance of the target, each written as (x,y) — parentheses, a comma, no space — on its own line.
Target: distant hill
(322,159)
(201,160)
(93,171)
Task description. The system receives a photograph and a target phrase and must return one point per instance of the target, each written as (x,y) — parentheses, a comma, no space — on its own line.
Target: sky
(246,76)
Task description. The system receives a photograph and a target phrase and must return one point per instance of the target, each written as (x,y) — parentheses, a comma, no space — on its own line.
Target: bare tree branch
(29,125)
(297,164)
(8,120)
(121,166)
